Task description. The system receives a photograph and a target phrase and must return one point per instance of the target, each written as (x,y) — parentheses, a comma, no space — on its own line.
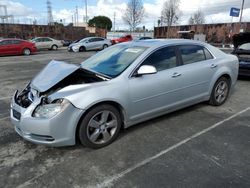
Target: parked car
(12,46)
(125,38)
(242,51)
(66,42)
(47,43)
(144,38)
(89,43)
(119,87)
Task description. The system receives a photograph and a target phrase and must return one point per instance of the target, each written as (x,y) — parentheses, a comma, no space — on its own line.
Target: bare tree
(170,12)
(134,13)
(197,18)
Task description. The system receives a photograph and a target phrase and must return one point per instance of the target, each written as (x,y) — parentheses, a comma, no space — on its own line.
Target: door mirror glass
(146,69)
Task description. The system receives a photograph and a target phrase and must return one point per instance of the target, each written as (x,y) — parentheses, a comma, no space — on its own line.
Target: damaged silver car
(118,87)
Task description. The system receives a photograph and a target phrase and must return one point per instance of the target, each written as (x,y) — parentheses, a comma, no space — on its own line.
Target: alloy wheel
(102,127)
(221,91)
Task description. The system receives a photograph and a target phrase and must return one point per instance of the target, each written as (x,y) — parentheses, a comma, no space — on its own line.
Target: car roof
(162,42)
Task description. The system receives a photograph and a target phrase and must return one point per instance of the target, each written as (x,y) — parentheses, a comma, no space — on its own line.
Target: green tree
(102,22)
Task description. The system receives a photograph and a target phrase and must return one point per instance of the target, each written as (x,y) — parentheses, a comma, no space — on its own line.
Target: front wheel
(82,49)
(100,126)
(220,92)
(104,46)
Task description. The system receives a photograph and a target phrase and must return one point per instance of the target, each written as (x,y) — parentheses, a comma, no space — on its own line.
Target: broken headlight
(51,109)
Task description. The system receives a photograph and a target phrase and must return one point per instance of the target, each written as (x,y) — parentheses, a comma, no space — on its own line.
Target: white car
(47,43)
(90,43)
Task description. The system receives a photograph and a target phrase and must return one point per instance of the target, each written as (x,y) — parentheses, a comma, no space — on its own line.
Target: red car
(16,47)
(125,38)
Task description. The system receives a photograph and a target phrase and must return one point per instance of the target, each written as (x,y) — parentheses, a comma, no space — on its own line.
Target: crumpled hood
(52,74)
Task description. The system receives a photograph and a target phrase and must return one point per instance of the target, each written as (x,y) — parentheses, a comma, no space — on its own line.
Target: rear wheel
(220,92)
(54,47)
(100,126)
(26,51)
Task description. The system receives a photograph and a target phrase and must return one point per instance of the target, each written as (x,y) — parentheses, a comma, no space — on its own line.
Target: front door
(154,93)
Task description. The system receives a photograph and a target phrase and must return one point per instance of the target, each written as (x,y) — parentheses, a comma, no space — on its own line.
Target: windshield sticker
(133,50)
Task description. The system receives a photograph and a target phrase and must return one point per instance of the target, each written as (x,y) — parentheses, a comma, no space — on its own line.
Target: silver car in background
(47,43)
(119,87)
(89,43)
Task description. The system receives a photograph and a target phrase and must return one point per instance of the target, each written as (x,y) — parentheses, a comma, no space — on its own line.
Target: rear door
(99,43)
(92,44)
(197,70)
(47,42)
(16,47)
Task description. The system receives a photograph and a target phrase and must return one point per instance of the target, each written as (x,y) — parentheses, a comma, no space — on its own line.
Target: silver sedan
(119,87)
(89,43)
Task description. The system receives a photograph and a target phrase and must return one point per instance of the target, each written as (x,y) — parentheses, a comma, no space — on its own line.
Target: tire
(26,51)
(82,49)
(105,46)
(100,126)
(220,92)
(54,47)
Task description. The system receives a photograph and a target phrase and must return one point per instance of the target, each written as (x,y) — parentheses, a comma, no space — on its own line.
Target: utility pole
(76,16)
(86,11)
(114,21)
(241,11)
(49,13)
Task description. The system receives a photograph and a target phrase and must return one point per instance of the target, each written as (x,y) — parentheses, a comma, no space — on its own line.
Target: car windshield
(245,46)
(114,60)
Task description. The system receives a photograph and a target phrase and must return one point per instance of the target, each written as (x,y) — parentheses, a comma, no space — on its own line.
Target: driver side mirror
(146,69)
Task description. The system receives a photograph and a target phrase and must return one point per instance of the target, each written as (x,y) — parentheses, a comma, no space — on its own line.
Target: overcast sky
(216,11)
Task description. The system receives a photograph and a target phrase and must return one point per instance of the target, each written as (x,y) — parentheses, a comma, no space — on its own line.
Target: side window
(162,59)
(46,40)
(16,42)
(208,54)
(92,40)
(191,54)
(99,39)
(39,40)
(6,42)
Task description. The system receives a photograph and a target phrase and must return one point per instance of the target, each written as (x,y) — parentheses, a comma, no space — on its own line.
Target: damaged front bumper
(56,131)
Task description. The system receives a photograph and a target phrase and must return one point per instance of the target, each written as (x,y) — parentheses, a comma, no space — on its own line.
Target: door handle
(213,66)
(176,74)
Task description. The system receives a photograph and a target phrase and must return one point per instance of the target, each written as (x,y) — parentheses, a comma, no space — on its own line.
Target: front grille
(16,114)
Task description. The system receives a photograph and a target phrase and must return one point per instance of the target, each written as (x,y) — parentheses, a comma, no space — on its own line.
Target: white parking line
(110,180)
(4,118)
(3,98)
